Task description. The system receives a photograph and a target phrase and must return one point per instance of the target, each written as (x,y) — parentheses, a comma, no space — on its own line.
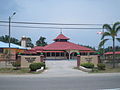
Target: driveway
(62,68)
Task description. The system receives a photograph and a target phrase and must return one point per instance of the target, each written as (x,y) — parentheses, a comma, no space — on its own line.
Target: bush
(88,65)
(35,66)
(16,65)
(101,66)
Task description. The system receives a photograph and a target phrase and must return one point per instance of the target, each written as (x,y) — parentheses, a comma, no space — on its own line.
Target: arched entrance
(73,55)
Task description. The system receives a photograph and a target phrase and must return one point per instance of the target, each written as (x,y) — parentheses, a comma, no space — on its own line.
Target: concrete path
(62,68)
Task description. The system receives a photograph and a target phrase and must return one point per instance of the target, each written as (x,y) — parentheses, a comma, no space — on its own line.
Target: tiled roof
(58,46)
(117,52)
(61,36)
(65,46)
(37,48)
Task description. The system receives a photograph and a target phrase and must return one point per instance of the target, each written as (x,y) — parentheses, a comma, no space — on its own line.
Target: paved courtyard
(62,68)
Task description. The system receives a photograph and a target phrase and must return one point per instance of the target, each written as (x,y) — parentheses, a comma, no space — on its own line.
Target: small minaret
(23,41)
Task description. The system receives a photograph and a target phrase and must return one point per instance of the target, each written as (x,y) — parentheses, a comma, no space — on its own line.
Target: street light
(10,17)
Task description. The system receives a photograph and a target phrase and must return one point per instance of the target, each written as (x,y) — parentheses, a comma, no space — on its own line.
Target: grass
(107,70)
(19,71)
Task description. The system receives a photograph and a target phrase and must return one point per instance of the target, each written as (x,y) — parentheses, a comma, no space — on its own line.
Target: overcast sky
(60,11)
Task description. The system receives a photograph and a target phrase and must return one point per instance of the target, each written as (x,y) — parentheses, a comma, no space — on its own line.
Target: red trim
(52,51)
(86,51)
(108,53)
(48,51)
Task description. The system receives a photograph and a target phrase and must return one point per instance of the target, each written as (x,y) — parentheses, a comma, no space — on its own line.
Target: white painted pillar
(88,53)
(69,55)
(50,54)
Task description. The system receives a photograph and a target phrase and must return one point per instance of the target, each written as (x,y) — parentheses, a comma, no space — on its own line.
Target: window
(53,54)
(62,54)
(57,54)
(48,54)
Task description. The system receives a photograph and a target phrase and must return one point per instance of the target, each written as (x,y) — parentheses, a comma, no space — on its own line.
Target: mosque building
(61,48)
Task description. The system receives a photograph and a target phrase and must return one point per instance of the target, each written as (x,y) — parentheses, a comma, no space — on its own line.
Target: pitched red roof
(31,51)
(61,36)
(65,46)
(37,48)
(60,45)
(117,52)
(34,50)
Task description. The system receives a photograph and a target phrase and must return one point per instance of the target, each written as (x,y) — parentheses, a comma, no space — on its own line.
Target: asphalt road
(61,76)
(89,82)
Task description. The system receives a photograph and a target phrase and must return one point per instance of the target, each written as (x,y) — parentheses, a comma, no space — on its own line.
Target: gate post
(42,58)
(78,60)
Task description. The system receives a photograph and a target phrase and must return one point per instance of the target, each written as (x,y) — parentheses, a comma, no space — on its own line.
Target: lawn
(107,70)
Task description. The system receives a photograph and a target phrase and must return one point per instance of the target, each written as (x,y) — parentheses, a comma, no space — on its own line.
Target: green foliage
(101,66)
(29,43)
(12,39)
(89,47)
(108,49)
(88,65)
(111,31)
(35,66)
(16,65)
(41,41)
(102,42)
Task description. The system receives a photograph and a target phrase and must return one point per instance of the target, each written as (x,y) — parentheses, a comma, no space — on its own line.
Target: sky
(60,11)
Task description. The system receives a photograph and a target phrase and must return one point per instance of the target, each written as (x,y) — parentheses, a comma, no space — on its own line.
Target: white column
(69,55)
(88,53)
(50,54)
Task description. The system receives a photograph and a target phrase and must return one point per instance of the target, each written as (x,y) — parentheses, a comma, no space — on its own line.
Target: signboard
(26,60)
(30,59)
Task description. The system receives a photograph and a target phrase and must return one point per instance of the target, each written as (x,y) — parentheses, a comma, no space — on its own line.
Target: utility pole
(10,17)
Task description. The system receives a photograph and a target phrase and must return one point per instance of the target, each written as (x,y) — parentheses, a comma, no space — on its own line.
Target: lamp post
(10,17)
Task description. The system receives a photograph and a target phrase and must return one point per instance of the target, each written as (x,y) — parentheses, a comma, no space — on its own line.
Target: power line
(49,27)
(50,23)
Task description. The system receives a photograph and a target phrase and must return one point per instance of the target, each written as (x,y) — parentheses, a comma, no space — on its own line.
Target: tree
(41,41)
(112,31)
(12,39)
(29,43)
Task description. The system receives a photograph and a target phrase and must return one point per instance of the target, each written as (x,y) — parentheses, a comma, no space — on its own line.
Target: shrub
(101,66)
(88,65)
(16,65)
(43,65)
(35,66)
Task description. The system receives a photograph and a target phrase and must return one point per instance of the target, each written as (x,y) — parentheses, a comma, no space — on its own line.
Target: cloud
(60,11)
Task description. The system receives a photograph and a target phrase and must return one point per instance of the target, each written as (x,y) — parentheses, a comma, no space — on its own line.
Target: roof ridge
(61,36)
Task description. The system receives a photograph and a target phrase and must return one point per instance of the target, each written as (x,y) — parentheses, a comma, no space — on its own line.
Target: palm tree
(111,31)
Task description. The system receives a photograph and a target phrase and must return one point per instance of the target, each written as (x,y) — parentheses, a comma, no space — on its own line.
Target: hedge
(35,66)
(88,65)
(101,66)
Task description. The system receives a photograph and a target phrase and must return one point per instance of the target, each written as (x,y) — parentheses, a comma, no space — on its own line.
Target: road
(61,76)
(92,82)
